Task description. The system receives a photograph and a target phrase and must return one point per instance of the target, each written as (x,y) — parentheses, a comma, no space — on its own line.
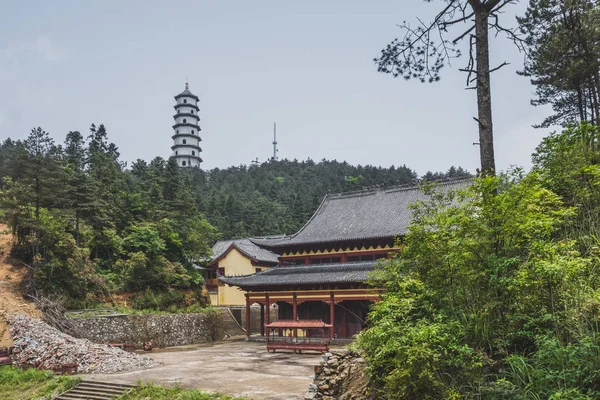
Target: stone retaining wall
(339,376)
(163,330)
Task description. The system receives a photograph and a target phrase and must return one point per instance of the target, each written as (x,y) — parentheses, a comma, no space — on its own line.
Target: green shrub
(171,299)
(146,301)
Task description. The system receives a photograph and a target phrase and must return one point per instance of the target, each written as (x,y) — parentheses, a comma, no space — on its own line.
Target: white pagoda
(186,137)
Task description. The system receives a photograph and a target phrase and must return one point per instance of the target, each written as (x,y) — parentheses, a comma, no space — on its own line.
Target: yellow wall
(235,263)
(214,299)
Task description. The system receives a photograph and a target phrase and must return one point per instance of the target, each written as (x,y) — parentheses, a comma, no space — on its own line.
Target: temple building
(186,137)
(323,270)
(235,257)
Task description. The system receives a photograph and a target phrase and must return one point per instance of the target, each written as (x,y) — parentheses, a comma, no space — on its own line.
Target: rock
(341,375)
(312,388)
(40,345)
(310,396)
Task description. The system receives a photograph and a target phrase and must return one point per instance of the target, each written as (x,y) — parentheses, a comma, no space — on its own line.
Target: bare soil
(11,300)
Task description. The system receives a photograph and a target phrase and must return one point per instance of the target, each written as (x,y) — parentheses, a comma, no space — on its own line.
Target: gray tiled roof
(379,213)
(187,93)
(246,247)
(351,272)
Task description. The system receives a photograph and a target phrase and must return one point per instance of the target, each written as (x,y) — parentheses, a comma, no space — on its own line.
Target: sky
(308,65)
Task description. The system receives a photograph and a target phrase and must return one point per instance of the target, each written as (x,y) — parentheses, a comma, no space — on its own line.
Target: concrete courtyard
(233,367)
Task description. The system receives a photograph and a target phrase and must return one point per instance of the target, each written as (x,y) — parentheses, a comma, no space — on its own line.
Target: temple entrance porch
(346,309)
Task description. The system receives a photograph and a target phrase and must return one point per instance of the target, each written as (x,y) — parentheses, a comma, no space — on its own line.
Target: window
(184,100)
(369,257)
(221,271)
(184,141)
(258,269)
(183,163)
(175,152)
(192,131)
(193,153)
(353,258)
(192,111)
(178,111)
(184,120)
(177,131)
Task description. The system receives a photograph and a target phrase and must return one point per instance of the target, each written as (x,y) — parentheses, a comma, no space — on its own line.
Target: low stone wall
(340,376)
(163,330)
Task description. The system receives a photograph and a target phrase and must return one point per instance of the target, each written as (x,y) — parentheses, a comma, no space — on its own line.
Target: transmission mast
(274,158)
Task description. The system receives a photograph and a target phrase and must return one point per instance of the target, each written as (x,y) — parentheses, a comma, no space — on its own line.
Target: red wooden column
(262,319)
(247,316)
(295,312)
(345,323)
(332,316)
(268,310)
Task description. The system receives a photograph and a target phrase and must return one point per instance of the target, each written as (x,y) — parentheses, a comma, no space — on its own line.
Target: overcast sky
(306,64)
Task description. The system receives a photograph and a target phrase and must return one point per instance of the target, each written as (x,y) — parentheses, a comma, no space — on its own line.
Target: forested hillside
(89,226)
(279,196)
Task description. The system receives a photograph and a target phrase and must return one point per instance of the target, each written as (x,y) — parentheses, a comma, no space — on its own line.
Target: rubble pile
(339,376)
(39,345)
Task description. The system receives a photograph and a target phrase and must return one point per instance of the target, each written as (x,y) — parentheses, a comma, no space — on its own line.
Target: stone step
(92,390)
(97,389)
(117,386)
(85,396)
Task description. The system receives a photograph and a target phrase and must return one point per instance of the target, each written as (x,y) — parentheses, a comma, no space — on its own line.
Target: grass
(19,384)
(154,392)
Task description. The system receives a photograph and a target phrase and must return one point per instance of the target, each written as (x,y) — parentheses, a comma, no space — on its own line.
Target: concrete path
(235,368)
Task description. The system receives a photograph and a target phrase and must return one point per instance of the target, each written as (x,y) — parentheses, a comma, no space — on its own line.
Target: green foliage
(278,197)
(563,58)
(19,384)
(494,292)
(88,227)
(146,301)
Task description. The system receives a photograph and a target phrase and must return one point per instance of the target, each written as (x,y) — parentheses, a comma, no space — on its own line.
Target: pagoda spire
(186,135)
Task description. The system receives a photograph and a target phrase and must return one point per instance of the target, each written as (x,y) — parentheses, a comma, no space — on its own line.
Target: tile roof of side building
(370,214)
(246,247)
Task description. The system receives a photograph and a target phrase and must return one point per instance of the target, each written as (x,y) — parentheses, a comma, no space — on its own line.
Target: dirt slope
(11,301)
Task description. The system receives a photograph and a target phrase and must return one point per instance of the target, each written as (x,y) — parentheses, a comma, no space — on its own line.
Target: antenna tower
(274,142)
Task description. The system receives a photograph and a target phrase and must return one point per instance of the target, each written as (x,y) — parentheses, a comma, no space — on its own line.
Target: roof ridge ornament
(187,84)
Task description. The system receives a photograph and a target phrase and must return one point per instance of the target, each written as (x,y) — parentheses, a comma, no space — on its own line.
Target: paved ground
(236,368)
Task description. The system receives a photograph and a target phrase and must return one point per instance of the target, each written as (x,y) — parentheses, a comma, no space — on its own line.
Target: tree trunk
(580,104)
(484,94)
(596,86)
(77,227)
